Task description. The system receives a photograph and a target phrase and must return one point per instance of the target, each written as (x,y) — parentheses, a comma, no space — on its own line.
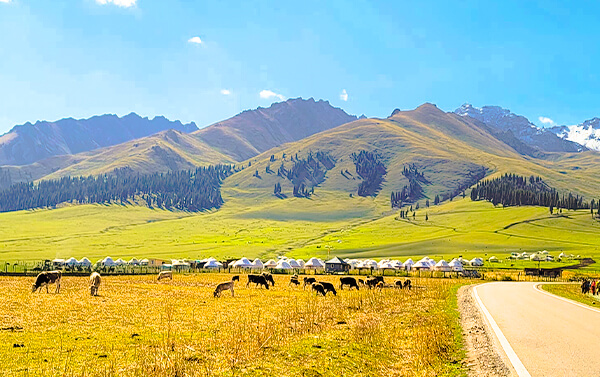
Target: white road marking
(512,356)
(537,288)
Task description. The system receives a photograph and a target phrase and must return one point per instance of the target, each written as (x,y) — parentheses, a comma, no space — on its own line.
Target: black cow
(328,287)
(318,287)
(258,280)
(294,280)
(372,281)
(308,281)
(349,281)
(235,278)
(269,278)
(46,278)
(407,284)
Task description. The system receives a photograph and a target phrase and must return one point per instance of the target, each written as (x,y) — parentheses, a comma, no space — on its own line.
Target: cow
(361,282)
(258,280)
(371,282)
(349,281)
(328,287)
(269,278)
(318,287)
(94,283)
(380,285)
(407,284)
(235,278)
(308,281)
(294,280)
(223,287)
(165,275)
(46,278)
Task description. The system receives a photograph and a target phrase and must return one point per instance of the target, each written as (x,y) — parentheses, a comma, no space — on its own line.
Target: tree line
(515,190)
(305,173)
(411,192)
(189,190)
(371,170)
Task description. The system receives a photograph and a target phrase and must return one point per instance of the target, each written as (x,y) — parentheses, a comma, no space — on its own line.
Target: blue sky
(85,57)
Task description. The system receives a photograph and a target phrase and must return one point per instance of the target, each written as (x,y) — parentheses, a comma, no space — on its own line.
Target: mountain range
(451,150)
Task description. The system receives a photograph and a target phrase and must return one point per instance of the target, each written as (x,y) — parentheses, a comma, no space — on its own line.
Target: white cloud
(546,121)
(270,94)
(5,1)
(196,40)
(225,92)
(119,3)
(344,95)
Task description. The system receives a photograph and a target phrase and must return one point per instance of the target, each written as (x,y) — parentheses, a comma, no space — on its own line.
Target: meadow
(323,226)
(140,327)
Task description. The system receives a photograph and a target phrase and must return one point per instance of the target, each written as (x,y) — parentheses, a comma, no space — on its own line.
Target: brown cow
(46,278)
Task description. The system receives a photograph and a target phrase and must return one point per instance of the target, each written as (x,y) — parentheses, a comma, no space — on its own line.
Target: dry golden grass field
(140,327)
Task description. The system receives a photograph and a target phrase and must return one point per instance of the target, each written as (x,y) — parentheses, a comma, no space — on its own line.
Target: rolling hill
(30,143)
(255,131)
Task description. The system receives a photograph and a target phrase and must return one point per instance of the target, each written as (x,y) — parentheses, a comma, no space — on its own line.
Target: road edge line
(508,350)
(537,288)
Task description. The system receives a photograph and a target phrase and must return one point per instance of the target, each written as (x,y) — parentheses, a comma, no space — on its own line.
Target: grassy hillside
(298,227)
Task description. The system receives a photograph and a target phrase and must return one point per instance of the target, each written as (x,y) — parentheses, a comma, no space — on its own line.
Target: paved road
(550,336)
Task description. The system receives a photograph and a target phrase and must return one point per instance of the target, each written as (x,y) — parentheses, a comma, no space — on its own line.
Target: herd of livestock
(264,280)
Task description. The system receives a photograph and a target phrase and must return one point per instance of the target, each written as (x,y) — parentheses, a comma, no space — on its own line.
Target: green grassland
(327,224)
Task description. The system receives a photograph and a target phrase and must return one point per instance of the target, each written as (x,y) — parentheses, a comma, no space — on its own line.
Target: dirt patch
(484,357)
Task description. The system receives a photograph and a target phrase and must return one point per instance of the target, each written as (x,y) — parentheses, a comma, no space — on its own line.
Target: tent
(314,263)
(455,265)
(368,263)
(336,265)
(382,262)
(283,265)
(257,264)
(179,264)
(144,262)
(386,266)
(493,259)
(133,262)
(58,262)
(443,266)
(71,262)
(476,262)
(212,263)
(270,264)
(537,257)
(120,262)
(84,262)
(108,262)
(421,265)
(408,264)
(300,263)
(243,263)
(397,264)
(293,263)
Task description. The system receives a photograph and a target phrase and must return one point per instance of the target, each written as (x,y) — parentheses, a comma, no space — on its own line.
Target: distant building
(336,265)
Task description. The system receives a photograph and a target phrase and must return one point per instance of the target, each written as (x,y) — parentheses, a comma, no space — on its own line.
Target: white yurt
(179,264)
(283,265)
(257,263)
(145,262)
(120,262)
(537,257)
(386,266)
(108,262)
(562,255)
(370,263)
(397,264)
(493,259)
(58,262)
(408,264)
(382,262)
(293,263)
(270,264)
(431,262)
(133,262)
(476,262)
(549,258)
(421,265)
(314,263)
(71,262)
(84,262)
(212,263)
(443,266)
(242,263)
(455,265)
(300,263)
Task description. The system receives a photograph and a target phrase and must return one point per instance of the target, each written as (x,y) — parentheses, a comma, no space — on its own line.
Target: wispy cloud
(270,94)
(225,92)
(546,121)
(119,3)
(4,1)
(344,95)
(195,40)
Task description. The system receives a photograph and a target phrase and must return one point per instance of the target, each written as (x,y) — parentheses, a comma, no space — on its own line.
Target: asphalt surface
(550,336)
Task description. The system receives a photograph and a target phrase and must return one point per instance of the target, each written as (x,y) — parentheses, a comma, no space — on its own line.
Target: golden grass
(139,327)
